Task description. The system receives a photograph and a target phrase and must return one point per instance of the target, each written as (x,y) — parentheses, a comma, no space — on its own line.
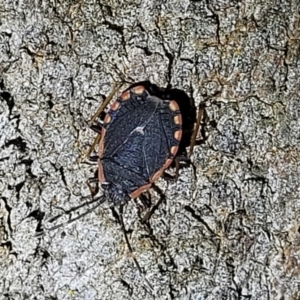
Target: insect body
(146,128)
(139,140)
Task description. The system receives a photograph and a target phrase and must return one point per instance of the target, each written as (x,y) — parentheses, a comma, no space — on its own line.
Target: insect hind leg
(121,209)
(145,200)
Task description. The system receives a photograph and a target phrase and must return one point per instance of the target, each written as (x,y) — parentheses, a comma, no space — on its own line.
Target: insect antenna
(130,248)
(101,200)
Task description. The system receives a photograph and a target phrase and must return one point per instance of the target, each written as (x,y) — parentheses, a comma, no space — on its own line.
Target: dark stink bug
(145,131)
(140,138)
(142,134)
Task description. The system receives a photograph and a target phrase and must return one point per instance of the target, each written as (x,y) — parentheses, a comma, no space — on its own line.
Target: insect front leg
(105,103)
(101,114)
(200,117)
(93,184)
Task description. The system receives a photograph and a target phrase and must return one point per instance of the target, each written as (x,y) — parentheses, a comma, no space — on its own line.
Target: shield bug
(146,130)
(140,137)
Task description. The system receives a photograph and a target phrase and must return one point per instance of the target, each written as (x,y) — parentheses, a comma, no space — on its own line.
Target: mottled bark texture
(229,227)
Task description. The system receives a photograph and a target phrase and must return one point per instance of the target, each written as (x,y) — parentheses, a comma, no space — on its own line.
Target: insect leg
(93,158)
(96,141)
(196,130)
(93,184)
(105,102)
(130,248)
(97,127)
(151,211)
(145,200)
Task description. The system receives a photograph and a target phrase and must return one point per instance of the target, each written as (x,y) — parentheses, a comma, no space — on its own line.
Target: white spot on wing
(139,129)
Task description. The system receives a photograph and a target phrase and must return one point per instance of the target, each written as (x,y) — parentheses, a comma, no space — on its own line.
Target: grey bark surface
(228,229)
